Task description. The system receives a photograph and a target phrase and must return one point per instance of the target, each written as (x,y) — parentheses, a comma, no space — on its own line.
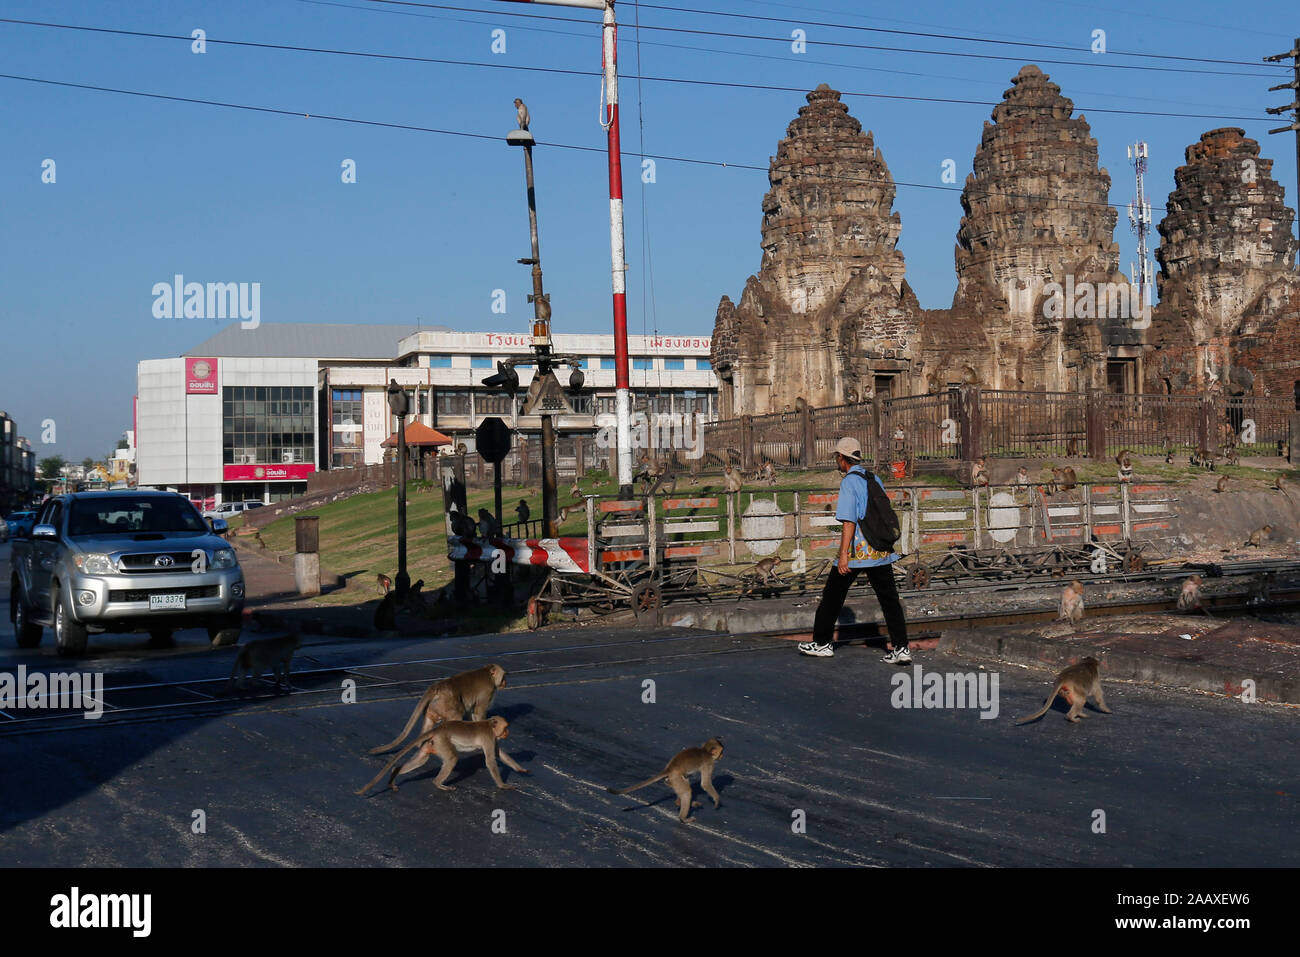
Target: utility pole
(545,395)
(1294,107)
(618,265)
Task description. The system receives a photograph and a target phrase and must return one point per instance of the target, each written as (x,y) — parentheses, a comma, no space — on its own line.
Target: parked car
(224,510)
(4,530)
(123,561)
(20,524)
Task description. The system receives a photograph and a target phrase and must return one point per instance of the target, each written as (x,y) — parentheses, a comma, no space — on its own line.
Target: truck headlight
(224,558)
(94,563)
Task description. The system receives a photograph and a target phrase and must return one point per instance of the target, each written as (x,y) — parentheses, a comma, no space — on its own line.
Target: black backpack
(879,526)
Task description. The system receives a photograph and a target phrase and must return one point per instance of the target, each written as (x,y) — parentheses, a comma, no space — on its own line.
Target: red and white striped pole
(622,395)
(618,265)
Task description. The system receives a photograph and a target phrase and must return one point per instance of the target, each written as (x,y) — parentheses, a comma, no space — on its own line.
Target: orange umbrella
(418,435)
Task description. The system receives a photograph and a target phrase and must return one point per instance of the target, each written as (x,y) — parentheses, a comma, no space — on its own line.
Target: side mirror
(220,525)
(45,531)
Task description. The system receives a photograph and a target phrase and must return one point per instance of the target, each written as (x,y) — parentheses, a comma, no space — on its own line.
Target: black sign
(493,440)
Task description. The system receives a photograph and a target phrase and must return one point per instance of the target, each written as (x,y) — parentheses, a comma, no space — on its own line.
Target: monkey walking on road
(1074,685)
(686,762)
(450,699)
(266,654)
(446,741)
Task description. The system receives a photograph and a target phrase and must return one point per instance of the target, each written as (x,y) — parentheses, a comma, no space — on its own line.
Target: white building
(253,413)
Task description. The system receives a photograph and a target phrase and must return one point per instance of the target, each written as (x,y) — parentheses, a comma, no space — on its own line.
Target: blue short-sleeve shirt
(852,505)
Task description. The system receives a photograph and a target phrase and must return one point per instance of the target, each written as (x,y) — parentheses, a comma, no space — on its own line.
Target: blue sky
(148,188)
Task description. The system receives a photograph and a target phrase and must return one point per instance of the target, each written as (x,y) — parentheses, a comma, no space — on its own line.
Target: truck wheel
(225,632)
(70,636)
(26,634)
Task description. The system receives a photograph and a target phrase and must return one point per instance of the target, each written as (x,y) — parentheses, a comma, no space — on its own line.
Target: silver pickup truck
(123,561)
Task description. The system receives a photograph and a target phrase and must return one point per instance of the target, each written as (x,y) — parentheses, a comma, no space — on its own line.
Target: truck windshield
(124,515)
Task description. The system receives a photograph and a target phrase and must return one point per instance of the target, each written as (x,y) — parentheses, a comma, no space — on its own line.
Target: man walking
(856,556)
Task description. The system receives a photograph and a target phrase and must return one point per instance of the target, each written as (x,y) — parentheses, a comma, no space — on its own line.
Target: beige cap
(850,448)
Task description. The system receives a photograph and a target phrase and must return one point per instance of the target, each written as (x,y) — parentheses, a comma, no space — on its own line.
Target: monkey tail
(637,787)
(415,716)
(422,739)
(1056,688)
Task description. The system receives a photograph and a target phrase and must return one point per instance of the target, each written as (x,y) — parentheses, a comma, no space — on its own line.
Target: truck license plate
(174,601)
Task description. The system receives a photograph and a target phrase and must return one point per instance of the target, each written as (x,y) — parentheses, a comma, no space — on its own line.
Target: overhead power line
(724,84)
(410,127)
(1094,64)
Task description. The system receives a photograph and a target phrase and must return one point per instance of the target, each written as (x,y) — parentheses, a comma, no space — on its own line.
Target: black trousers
(837,589)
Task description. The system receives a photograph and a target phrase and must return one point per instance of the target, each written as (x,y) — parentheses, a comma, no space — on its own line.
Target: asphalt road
(1182,780)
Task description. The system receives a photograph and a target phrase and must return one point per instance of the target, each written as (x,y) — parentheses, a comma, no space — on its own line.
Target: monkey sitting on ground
(522,511)
(767,473)
(1222,484)
(385,584)
(1062,480)
(979,476)
(1072,603)
(446,741)
(686,762)
(1125,466)
(1189,598)
(1072,448)
(1022,476)
(414,598)
(1075,684)
(462,526)
(487,525)
(266,654)
(1259,536)
(450,698)
(732,479)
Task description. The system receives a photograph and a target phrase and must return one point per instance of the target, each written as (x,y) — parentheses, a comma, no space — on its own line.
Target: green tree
(49,467)
(87,463)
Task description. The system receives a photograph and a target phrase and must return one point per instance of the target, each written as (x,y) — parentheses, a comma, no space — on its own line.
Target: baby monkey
(385,584)
(266,654)
(1074,685)
(447,741)
(686,762)
(1022,476)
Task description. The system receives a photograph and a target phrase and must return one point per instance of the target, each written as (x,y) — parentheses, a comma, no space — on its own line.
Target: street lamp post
(400,404)
(541,332)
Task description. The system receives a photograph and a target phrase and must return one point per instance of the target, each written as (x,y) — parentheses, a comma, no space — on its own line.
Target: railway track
(541,663)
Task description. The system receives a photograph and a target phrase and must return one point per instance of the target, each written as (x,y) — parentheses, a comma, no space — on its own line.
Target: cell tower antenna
(1139,218)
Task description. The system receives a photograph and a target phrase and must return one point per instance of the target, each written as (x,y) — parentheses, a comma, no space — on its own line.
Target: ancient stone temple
(1229,309)
(829,317)
(1036,214)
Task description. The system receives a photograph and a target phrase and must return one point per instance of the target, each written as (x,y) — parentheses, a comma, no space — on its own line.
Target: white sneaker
(816,650)
(899,656)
